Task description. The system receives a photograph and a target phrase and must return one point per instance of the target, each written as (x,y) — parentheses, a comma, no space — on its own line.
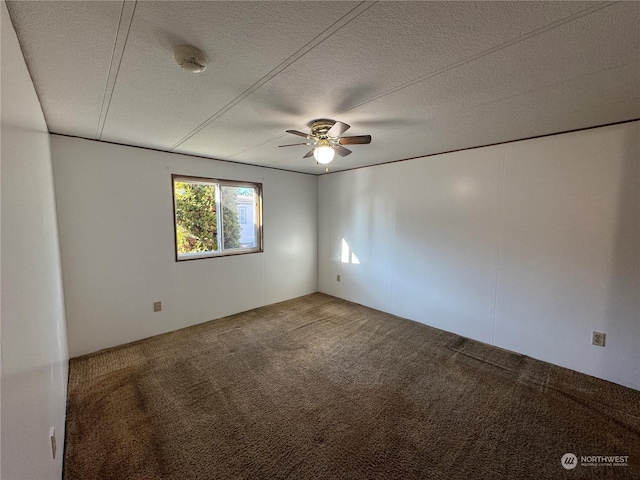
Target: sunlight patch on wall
(345,251)
(347,255)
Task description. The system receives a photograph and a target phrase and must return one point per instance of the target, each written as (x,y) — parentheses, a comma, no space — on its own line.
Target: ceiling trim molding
(184,154)
(484,146)
(122,35)
(317,40)
(355,168)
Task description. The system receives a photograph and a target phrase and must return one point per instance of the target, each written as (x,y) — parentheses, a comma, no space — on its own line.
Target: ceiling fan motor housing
(320,127)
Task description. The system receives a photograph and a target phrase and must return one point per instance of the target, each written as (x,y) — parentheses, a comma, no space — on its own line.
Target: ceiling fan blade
(296,144)
(338,129)
(309,153)
(296,132)
(356,140)
(343,152)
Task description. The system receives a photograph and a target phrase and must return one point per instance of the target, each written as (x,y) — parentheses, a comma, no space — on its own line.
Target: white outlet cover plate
(598,338)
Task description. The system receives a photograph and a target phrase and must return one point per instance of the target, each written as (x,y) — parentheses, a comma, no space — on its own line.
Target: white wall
(528,246)
(115,211)
(34,347)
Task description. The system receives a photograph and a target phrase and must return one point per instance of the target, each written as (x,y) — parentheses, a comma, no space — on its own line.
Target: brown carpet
(320,388)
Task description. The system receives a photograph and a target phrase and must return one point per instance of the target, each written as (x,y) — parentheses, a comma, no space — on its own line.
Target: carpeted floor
(320,388)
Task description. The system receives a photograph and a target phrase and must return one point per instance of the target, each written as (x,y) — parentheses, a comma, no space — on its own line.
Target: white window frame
(219,183)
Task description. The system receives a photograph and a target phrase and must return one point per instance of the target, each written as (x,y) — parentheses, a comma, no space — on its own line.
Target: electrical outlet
(598,338)
(157,306)
(52,436)
(337,278)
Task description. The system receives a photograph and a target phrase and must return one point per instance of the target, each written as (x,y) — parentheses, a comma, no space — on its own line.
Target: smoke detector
(190,58)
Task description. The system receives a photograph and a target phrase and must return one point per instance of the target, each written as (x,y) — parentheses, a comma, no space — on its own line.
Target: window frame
(219,217)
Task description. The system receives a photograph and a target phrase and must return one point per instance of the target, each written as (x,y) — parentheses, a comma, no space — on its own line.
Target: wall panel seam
(501,208)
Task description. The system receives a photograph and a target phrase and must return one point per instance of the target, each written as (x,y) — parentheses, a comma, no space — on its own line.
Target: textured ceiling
(420,77)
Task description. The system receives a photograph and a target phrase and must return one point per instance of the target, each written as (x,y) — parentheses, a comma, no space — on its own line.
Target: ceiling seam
(106,80)
(521,38)
(126,19)
(317,40)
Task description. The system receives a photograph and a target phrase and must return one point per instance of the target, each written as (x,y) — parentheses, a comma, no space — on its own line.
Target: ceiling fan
(327,140)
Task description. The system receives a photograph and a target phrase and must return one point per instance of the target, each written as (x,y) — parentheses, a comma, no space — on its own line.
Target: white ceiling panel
(559,107)
(156,103)
(605,39)
(526,80)
(606,96)
(68,47)
(389,45)
(420,77)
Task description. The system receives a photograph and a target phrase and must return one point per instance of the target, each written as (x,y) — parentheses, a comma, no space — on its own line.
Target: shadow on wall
(25,410)
(624,283)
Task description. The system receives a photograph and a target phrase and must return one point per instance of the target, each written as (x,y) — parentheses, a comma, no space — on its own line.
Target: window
(207,217)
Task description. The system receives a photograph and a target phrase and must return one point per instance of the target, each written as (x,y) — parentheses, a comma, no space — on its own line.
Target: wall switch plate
(52,436)
(337,278)
(598,338)
(157,306)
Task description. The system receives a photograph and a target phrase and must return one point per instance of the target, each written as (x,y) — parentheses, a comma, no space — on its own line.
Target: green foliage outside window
(196,217)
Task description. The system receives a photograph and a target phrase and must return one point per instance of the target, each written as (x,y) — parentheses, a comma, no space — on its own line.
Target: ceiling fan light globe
(324,154)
